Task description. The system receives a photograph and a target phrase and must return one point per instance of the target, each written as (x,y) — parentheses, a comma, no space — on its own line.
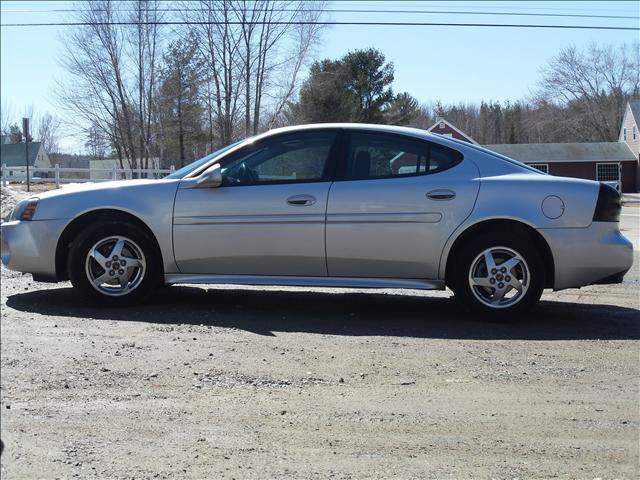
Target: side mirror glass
(210,178)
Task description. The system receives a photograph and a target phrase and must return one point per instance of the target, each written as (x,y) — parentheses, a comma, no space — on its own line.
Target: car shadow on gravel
(266,312)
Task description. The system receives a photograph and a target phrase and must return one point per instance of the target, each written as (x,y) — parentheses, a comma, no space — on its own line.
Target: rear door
(398,201)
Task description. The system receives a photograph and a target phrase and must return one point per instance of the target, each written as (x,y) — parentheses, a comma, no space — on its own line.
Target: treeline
(228,70)
(519,122)
(137,89)
(580,97)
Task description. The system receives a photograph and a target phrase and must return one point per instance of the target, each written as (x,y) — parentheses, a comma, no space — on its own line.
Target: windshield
(187,169)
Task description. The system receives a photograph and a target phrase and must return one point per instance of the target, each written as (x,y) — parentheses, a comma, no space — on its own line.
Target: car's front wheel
(498,275)
(114,263)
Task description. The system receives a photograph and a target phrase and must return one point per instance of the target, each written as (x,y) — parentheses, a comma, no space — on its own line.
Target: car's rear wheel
(498,275)
(114,264)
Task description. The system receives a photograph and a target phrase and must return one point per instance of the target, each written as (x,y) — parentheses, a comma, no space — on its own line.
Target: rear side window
(442,158)
(373,155)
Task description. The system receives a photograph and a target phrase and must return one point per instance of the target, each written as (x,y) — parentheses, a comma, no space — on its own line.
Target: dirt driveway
(262,382)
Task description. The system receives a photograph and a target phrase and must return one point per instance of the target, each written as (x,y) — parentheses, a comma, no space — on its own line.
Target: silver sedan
(341,205)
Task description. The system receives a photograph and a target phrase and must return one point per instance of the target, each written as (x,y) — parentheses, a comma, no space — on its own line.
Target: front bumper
(30,246)
(612,279)
(584,256)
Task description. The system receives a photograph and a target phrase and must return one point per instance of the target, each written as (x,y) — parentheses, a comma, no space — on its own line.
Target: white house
(630,133)
(13,155)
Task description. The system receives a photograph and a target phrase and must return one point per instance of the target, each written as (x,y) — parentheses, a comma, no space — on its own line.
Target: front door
(267,218)
(398,202)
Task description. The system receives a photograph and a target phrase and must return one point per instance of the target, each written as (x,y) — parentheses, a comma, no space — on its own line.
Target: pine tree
(180,112)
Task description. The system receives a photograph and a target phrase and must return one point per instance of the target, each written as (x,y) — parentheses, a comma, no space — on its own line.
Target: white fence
(56,174)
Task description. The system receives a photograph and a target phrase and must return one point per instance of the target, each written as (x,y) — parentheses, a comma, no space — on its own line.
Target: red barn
(617,163)
(442,127)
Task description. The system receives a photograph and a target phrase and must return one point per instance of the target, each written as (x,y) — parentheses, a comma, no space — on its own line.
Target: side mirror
(210,178)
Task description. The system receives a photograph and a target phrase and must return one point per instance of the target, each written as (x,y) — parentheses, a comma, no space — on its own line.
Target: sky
(450,64)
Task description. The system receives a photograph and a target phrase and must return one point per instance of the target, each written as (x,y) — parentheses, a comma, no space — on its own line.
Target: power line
(391,24)
(413,2)
(421,12)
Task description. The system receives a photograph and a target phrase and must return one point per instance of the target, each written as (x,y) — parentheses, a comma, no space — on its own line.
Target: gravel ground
(212,381)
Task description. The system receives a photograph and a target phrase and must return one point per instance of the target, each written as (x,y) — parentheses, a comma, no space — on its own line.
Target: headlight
(24,210)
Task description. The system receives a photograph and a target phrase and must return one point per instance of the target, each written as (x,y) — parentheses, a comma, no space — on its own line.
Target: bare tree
(112,73)
(47,129)
(95,92)
(592,87)
(219,40)
(44,127)
(303,38)
(6,116)
(254,53)
(271,31)
(97,142)
(248,18)
(143,40)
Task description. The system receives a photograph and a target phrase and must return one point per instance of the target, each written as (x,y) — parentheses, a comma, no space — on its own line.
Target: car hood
(74,188)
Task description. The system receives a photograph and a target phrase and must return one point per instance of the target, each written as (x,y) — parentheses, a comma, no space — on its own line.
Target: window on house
(624,134)
(608,172)
(441,126)
(543,167)
(635,132)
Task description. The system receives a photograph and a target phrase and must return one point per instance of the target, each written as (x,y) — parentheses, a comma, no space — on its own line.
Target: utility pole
(25,131)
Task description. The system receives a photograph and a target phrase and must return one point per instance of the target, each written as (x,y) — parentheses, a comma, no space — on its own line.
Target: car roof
(416,132)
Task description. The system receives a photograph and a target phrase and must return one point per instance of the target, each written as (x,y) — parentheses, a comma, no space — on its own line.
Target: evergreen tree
(356,88)
(15,134)
(369,79)
(403,110)
(324,97)
(180,111)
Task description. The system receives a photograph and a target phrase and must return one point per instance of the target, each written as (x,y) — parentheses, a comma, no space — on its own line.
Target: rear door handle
(441,195)
(301,200)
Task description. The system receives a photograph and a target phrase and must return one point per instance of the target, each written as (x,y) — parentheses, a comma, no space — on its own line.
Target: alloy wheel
(115,266)
(499,277)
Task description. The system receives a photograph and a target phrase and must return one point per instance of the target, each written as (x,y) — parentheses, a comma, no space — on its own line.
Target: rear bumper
(584,256)
(30,246)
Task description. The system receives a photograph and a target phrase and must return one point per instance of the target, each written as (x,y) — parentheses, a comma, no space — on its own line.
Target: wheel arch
(503,224)
(79,223)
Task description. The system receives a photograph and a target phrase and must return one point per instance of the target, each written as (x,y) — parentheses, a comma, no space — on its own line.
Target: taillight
(608,206)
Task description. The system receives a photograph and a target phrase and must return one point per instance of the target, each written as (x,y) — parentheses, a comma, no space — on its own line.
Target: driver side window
(290,158)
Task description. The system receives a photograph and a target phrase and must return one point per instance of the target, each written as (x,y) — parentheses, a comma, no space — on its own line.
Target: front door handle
(441,195)
(301,200)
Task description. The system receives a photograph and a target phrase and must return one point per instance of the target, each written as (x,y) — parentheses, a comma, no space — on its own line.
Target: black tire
(146,277)
(469,256)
